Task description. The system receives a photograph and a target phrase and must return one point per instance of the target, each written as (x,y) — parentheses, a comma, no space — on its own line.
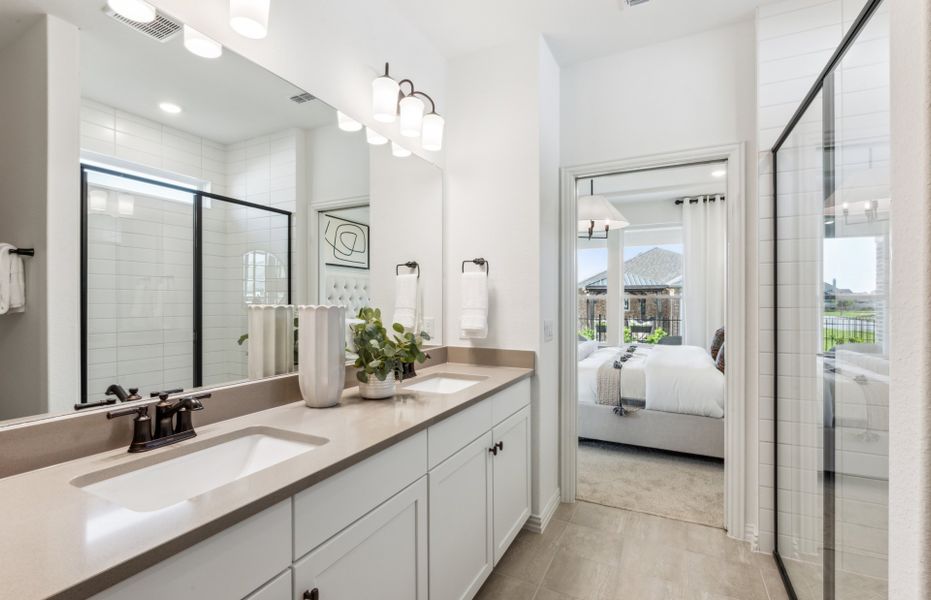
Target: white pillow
(586,349)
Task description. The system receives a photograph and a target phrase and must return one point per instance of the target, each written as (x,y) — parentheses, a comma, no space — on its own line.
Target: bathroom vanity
(413,497)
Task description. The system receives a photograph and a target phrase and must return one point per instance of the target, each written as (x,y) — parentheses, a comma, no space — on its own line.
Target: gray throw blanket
(609,383)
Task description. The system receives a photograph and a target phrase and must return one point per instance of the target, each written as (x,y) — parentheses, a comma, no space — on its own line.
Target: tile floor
(594,552)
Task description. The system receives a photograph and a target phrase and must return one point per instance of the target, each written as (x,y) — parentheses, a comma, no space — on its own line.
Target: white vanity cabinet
(480,494)
(428,516)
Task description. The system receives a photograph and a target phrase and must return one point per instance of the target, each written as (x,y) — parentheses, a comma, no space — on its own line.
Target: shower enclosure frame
(198,262)
(824,83)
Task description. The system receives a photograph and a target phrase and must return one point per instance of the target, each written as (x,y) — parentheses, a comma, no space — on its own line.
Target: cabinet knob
(500,446)
(494,450)
(313,594)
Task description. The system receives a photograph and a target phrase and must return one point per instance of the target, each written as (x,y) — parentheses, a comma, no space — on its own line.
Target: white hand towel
(473,321)
(406,300)
(12,281)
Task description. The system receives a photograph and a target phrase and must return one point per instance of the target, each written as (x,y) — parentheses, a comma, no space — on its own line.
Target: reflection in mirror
(209,188)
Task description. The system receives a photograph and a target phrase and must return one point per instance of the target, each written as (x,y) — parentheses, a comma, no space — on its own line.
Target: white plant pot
(377,390)
(321,354)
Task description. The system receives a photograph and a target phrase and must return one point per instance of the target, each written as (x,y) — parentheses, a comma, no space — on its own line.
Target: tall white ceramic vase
(321,354)
(271,340)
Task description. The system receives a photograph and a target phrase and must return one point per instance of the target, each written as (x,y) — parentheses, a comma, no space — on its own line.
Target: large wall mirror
(196,190)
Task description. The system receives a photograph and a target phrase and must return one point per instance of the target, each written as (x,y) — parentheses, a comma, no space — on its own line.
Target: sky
(595,260)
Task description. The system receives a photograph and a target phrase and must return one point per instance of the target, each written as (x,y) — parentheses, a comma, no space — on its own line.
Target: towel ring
(481,262)
(410,265)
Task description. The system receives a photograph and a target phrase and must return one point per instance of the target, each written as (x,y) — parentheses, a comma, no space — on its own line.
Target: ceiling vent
(161,29)
(302,98)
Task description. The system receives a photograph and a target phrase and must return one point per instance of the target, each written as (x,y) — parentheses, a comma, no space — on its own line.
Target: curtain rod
(702,197)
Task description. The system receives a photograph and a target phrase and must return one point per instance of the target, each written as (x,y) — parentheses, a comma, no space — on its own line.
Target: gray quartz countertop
(59,541)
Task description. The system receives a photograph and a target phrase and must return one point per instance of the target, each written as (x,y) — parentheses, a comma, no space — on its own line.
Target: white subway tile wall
(140,267)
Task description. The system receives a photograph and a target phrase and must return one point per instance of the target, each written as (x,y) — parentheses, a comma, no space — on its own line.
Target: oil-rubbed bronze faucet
(172,422)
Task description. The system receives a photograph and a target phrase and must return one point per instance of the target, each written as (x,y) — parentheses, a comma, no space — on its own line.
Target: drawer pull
(313,594)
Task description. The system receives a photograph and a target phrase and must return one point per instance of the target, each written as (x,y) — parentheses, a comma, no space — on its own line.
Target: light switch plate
(547,330)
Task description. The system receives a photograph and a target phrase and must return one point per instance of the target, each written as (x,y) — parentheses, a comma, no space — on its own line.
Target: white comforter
(681,379)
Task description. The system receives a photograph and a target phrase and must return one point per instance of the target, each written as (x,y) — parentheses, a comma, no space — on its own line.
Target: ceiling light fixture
(389,101)
(596,212)
(375,138)
(719,173)
(347,124)
(170,107)
(249,18)
(399,150)
(201,45)
(134,10)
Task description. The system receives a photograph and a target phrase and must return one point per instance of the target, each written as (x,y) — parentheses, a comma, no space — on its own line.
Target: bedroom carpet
(678,486)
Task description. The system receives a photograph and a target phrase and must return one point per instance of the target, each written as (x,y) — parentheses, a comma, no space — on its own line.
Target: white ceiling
(226,99)
(666,184)
(575,29)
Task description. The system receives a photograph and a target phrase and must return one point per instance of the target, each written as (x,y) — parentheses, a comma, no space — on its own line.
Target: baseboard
(752,536)
(538,523)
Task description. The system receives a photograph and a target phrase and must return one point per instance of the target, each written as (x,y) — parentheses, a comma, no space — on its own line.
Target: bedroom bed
(672,398)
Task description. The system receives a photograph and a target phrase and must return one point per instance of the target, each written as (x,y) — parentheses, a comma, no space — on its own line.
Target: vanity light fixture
(597,213)
(375,138)
(134,10)
(249,18)
(389,100)
(201,45)
(170,107)
(399,151)
(347,124)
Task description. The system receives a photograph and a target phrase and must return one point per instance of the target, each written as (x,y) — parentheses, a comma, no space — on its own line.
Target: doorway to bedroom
(650,294)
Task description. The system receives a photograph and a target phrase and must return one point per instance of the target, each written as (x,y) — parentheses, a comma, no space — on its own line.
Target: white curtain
(704,232)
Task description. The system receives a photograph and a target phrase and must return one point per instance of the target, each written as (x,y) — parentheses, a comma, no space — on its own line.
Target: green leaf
(398,327)
(242,339)
(362,377)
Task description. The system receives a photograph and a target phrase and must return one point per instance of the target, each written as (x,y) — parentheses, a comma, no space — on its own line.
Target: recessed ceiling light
(170,108)
(347,123)
(134,10)
(249,18)
(399,150)
(201,45)
(719,173)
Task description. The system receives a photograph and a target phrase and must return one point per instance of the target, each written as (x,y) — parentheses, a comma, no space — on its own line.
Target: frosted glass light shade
(375,138)
(249,18)
(412,109)
(432,135)
(347,124)
(97,200)
(602,212)
(385,99)
(201,45)
(125,204)
(134,10)
(399,151)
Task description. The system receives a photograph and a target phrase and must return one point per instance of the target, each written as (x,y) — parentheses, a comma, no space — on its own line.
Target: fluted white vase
(321,354)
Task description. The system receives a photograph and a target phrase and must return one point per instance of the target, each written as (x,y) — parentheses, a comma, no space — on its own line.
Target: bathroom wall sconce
(134,10)
(389,101)
(374,138)
(201,45)
(346,123)
(249,18)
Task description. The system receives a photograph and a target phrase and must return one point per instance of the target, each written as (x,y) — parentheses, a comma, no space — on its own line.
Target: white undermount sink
(443,383)
(197,470)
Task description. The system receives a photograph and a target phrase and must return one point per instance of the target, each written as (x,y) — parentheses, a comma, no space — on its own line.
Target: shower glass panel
(245,261)
(832,334)
(139,283)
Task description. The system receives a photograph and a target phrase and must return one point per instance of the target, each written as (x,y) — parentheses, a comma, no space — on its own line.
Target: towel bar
(23,251)
(410,265)
(481,262)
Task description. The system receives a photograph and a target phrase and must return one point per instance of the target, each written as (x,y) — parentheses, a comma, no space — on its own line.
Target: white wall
(38,160)
(502,152)
(692,92)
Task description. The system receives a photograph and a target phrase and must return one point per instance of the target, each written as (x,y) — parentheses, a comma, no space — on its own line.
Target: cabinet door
(382,555)
(278,588)
(511,468)
(461,554)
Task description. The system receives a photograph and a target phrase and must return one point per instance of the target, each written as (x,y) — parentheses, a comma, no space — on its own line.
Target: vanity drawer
(278,588)
(449,436)
(231,564)
(328,507)
(510,400)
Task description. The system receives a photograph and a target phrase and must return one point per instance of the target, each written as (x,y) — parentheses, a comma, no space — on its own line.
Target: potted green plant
(381,358)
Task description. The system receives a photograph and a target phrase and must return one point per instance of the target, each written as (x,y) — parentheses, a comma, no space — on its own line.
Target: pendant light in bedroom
(596,214)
